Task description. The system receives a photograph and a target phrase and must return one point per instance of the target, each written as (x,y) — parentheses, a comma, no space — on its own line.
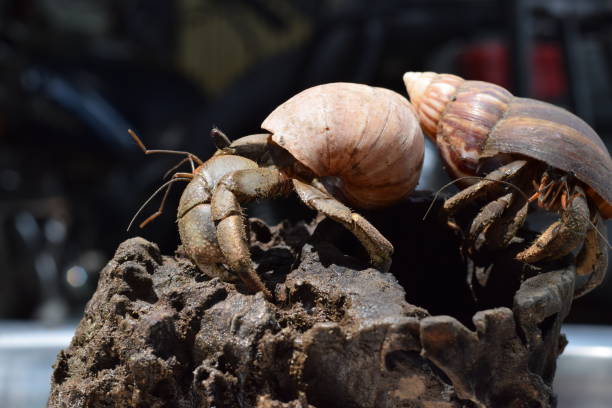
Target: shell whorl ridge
(479,119)
(367,137)
(457,114)
(429,93)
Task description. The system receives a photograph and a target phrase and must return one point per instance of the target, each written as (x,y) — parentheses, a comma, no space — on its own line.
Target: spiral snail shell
(364,141)
(473,120)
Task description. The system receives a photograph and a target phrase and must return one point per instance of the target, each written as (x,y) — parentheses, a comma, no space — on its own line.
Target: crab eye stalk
(220,140)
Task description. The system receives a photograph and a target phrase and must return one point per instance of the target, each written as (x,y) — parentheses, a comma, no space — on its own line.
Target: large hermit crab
(540,148)
(363,144)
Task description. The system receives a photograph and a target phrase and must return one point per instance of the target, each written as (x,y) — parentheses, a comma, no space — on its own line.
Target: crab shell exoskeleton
(368,139)
(472,120)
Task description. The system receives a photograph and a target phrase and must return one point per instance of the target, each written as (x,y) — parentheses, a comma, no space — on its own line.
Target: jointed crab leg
(374,242)
(593,257)
(560,238)
(236,188)
(245,185)
(499,219)
(488,215)
(484,187)
(503,229)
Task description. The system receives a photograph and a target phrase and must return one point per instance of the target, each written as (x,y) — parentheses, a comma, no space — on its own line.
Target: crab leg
(488,215)
(499,223)
(379,249)
(560,238)
(593,257)
(239,187)
(484,187)
(503,229)
(244,185)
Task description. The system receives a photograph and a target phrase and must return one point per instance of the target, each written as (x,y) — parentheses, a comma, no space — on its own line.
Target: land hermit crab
(359,143)
(544,150)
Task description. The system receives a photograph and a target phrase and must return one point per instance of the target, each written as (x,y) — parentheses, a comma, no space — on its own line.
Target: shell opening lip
(288,163)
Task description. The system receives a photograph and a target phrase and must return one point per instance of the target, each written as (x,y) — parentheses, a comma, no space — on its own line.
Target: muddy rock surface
(159,332)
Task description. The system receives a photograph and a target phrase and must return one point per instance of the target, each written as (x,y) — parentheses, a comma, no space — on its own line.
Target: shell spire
(458,115)
(429,92)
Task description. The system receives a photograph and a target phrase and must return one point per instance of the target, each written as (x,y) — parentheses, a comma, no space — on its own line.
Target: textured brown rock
(159,332)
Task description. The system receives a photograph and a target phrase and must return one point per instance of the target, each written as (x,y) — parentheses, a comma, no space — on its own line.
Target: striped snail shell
(472,120)
(367,140)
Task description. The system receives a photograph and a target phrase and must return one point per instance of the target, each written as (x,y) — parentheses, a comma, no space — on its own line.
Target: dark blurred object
(69,173)
(576,26)
(489,61)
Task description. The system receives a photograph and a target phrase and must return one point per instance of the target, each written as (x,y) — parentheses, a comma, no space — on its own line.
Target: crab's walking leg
(379,249)
(593,257)
(562,236)
(488,215)
(484,187)
(502,230)
(499,219)
(239,187)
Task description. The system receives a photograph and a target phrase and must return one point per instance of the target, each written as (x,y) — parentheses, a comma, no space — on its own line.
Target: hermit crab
(551,155)
(352,142)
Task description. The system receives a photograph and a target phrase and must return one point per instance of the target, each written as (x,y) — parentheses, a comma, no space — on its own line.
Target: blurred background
(74,76)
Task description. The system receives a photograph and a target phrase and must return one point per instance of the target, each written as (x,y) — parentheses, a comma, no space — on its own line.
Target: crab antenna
(167,183)
(147,151)
(220,140)
(179,164)
(159,211)
(470,178)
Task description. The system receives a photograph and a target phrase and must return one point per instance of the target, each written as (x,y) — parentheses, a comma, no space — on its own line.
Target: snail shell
(472,120)
(367,138)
